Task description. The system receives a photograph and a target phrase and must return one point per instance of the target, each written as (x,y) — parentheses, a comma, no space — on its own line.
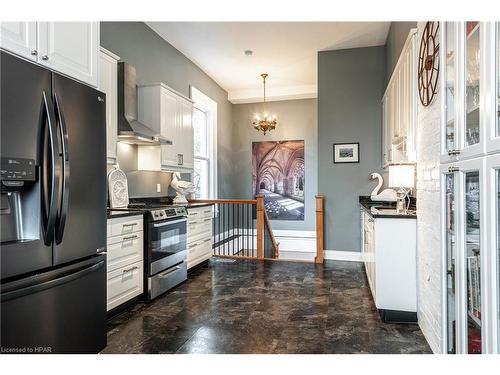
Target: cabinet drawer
(200,213)
(124,225)
(198,227)
(124,250)
(199,249)
(124,283)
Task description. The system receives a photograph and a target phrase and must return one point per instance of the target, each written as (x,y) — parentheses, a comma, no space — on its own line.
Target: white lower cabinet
(125,277)
(124,283)
(199,234)
(389,254)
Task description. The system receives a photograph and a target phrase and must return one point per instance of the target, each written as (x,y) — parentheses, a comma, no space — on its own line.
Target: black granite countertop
(378,209)
(112,214)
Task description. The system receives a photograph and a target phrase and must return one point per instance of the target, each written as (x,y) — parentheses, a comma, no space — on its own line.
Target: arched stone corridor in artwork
(278,173)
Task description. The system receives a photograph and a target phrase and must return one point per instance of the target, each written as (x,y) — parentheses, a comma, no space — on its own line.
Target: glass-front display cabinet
(464,53)
(470,180)
(462,206)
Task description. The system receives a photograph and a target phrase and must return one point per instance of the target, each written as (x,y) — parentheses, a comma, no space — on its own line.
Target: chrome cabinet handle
(209,219)
(193,245)
(45,57)
(208,240)
(453,169)
(34,52)
(129,238)
(453,152)
(130,269)
(180,159)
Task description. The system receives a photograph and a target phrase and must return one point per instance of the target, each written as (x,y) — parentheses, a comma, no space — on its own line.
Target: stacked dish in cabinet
(125,277)
(199,234)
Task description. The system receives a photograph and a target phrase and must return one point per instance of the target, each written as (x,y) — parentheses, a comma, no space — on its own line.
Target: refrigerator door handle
(64,154)
(50,184)
(16,293)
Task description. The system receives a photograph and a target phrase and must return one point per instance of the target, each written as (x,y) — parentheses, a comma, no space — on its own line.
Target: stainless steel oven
(166,244)
(165,250)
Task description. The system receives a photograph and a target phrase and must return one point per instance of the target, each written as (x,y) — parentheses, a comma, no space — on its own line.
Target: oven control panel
(168,213)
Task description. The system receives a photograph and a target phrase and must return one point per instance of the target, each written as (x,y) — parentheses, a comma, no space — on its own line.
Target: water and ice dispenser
(19,210)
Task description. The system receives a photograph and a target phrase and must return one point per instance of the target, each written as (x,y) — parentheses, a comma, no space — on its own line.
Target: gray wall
(396,39)
(351,83)
(297,120)
(158,61)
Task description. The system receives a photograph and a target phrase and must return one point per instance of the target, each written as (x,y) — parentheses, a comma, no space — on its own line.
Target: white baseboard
(350,256)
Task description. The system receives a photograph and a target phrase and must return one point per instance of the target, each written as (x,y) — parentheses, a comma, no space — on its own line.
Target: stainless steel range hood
(129,129)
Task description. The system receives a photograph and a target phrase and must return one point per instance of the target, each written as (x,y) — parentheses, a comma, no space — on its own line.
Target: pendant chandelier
(265,122)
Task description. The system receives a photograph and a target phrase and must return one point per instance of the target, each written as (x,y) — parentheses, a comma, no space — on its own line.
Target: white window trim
(206,104)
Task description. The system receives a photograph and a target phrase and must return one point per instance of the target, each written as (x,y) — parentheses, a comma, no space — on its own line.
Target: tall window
(205,145)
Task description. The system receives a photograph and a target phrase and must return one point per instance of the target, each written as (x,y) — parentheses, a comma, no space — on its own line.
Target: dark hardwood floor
(264,307)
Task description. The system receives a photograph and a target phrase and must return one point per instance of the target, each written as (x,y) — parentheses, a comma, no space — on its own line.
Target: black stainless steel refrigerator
(53,212)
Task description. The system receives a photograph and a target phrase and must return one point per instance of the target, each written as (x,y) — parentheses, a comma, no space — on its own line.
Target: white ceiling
(287,51)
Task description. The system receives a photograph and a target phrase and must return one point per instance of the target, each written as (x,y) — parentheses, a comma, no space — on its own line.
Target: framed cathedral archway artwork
(278,173)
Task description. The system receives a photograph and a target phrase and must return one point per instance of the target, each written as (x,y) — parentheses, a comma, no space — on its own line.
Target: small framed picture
(346,152)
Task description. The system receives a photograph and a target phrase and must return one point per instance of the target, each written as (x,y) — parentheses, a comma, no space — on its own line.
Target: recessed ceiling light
(248,52)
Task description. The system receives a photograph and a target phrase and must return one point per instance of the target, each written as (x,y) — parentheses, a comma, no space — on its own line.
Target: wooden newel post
(319,229)
(260,226)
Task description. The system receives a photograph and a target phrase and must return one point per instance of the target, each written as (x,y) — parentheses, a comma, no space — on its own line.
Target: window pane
(473,261)
(200,133)
(450,86)
(472,74)
(201,178)
(450,261)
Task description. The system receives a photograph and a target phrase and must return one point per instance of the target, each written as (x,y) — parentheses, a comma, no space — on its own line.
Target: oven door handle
(158,225)
(166,274)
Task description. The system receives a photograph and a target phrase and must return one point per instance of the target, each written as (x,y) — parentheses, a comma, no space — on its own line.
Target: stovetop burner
(156,208)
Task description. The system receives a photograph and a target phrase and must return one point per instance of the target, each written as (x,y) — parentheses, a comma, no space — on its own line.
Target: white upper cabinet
(170,114)
(399,108)
(70,48)
(20,38)
(108,84)
(470,105)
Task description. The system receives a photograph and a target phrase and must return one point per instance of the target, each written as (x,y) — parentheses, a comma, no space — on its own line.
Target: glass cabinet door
(449,79)
(497,238)
(451,251)
(497,74)
(472,83)
(472,223)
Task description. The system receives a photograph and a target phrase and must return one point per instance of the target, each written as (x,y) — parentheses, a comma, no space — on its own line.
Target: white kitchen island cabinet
(389,255)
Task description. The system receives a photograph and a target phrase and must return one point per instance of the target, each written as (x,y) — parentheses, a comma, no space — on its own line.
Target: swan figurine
(386,195)
(182,188)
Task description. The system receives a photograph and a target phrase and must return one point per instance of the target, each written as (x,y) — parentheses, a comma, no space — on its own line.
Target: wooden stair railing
(320,246)
(271,247)
(236,235)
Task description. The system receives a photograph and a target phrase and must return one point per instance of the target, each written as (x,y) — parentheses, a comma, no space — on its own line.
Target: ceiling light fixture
(267,123)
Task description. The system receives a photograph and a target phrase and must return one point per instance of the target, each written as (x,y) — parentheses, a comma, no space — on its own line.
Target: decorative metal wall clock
(428,63)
